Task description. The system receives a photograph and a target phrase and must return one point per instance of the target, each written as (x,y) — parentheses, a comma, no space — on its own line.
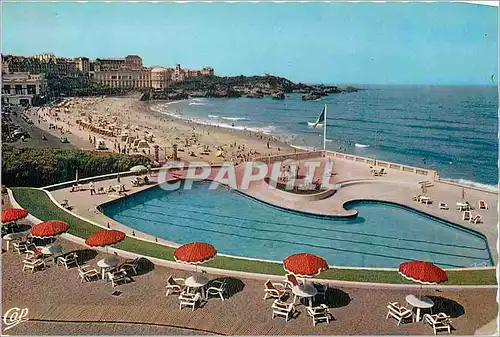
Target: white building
(20,88)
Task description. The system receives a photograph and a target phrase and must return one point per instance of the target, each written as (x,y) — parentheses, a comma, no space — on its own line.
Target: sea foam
(493,188)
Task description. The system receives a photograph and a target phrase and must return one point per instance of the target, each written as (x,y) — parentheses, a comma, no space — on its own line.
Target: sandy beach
(129,115)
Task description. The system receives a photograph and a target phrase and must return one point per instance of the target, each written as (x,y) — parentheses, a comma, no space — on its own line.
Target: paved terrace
(56,295)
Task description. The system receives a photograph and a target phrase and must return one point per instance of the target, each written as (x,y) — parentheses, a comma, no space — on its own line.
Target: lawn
(39,204)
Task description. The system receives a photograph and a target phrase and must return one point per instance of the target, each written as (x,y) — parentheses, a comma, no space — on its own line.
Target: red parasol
(105,238)
(304,265)
(422,272)
(13,214)
(49,228)
(195,253)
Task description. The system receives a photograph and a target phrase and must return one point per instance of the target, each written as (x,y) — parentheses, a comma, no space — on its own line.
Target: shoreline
(228,130)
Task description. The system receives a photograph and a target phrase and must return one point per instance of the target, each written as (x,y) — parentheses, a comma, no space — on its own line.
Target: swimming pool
(382,235)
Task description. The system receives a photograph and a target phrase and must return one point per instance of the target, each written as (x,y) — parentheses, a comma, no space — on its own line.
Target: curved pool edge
(175,265)
(436,218)
(323,216)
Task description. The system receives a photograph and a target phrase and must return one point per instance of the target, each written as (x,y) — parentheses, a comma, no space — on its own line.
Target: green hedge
(39,204)
(36,167)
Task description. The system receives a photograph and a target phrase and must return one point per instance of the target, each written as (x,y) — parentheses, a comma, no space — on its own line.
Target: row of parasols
(302,264)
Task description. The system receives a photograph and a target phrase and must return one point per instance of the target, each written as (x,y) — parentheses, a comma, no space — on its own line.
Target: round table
(106,264)
(419,303)
(52,250)
(304,291)
(197,281)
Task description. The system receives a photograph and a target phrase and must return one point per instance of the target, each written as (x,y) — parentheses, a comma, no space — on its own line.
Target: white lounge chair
(274,290)
(440,321)
(174,285)
(117,276)
(443,205)
(68,260)
(291,281)
(483,204)
(379,173)
(32,251)
(217,288)
(282,309)
(322,289)
(476,219)
(87,274)
(466,216)
(131,264)
(319,313)
(189,300)
(398,312)
(33,264)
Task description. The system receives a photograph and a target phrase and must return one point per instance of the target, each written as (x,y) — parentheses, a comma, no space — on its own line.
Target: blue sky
(391,43)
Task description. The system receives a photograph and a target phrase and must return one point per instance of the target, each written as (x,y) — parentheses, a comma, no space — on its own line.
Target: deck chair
(32,251)
(443,205)
(282,309)
(189,300)
(117,277)
(466,216)
(319,313)
(274,290)
(32,264)
(291,281)
(483,204)
(174,285)
(217,288)
(68,260)
(87,274)
(476,219)
(440,321)
(416,198)
(131,264)
(65,204)
(20,247)
(398,312)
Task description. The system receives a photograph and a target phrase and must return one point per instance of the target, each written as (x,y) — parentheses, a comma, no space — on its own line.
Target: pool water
(382,235)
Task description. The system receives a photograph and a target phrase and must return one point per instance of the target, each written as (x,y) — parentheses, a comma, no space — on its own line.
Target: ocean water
(451,129)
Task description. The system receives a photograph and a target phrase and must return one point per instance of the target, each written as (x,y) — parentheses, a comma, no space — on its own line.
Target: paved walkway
(56,294)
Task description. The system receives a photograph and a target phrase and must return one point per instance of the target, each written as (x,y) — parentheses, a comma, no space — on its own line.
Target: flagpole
(324,131)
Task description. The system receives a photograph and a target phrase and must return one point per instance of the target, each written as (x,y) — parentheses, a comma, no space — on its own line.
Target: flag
(321,117)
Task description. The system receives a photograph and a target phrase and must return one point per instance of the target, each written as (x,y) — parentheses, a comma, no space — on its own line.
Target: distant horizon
(390,43)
